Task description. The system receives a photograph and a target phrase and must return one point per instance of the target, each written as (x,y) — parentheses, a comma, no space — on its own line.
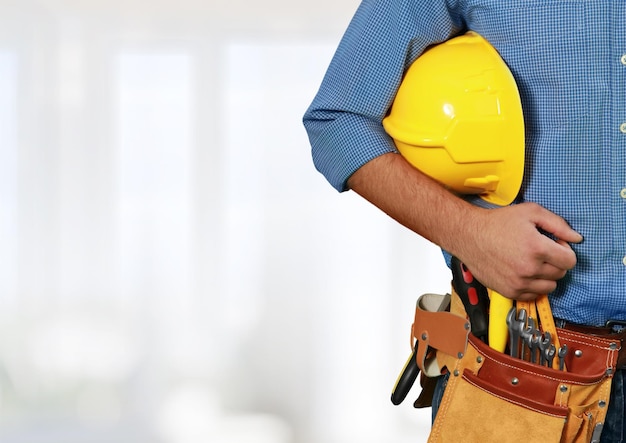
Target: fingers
(556,225)
(557,253)
(531,287)
(550,272)
(541,277)
(529,296)
(521,262)
(558,256)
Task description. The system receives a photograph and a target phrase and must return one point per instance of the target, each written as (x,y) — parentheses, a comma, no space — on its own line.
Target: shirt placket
(618,140)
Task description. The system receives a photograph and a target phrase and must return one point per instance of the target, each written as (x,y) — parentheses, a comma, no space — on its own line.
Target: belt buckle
(613,323)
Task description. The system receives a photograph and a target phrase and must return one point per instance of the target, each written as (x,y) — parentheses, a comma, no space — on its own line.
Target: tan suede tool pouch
(493,397)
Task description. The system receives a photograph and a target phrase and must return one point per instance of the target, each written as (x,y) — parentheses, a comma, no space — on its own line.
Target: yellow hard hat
(457,117)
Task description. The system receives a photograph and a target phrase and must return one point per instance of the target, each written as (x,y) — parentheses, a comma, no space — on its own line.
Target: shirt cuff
(346,144)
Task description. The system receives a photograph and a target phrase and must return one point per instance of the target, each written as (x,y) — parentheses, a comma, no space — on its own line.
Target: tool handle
(474,297)
(498,331)
(547,320)
(406,379)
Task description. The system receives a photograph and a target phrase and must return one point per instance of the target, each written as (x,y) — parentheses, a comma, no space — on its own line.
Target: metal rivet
(460,355)
(602,403)
(479,359)
(609,371)
(456,372)
(563,388)
(515,381)
(424,336)
(578,353)
(613,346)
(467,326)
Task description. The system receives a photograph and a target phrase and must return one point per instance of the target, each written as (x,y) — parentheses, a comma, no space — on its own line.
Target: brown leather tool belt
(606,332)
(530,401)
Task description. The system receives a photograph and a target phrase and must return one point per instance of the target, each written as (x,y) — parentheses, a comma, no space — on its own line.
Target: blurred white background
(172,267)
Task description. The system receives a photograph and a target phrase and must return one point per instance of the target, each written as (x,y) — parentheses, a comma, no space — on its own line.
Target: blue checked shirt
(569,60)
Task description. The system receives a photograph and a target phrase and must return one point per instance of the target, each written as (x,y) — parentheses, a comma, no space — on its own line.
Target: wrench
(519,325)
(535,340)
(549,354)
(544,344)
(562,353)
(527,334)
(510,319)
(516,327)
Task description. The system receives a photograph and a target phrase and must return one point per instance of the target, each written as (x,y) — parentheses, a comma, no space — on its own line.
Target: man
(569,61)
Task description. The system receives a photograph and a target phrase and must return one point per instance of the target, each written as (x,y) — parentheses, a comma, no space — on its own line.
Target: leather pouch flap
(436,328)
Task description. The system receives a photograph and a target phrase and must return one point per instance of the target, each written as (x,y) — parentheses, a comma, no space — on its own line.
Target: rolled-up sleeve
(344,121)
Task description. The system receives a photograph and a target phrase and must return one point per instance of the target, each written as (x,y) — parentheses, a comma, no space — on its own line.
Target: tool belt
(604,332)
(492,396)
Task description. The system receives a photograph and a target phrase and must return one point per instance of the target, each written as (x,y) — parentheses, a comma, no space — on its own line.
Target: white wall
(172,267)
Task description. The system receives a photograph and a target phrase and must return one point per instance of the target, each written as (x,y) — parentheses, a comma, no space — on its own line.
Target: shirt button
(624,261)
(623,59)
(622,128)
(622,193)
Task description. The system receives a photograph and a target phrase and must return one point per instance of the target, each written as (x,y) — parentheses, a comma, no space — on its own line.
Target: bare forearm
(414,200)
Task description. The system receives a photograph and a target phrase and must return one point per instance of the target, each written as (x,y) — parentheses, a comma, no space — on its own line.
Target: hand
(509,254)
(503,247)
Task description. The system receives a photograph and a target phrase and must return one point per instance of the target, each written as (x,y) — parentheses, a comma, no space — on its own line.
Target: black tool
(474,297)
(406,379)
